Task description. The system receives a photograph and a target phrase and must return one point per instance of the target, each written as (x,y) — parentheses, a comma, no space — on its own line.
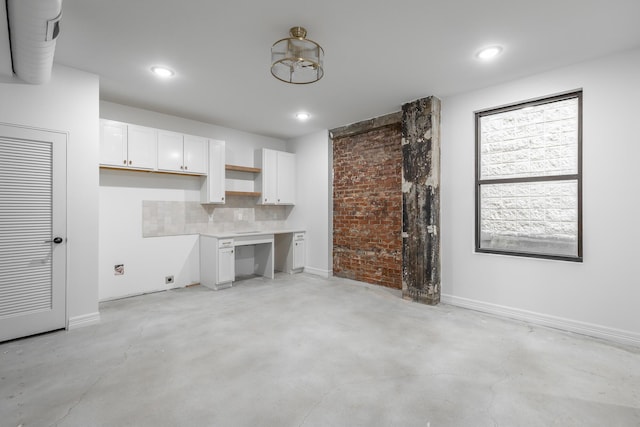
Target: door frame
(61,137)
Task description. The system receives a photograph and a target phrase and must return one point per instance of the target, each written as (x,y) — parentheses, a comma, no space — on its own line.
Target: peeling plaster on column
(421,200)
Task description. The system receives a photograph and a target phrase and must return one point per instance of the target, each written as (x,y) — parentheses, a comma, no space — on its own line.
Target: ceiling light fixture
(296,59)
(302,116)
(162,71)
(489,53)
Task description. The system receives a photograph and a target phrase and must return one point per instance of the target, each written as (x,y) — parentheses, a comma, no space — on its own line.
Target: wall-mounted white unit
(277,180)
(127,146)
(182,153)
(34,26)
(213,187)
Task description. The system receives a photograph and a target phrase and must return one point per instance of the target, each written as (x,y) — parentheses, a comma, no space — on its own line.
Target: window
(529,178)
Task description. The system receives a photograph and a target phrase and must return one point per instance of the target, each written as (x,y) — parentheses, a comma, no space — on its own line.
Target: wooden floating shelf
(242,169)
(243,193)
(117,168)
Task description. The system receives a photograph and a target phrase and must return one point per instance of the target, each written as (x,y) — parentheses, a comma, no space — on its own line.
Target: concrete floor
(305,351)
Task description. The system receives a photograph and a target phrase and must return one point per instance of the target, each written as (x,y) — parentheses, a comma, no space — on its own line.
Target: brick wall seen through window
(528,178)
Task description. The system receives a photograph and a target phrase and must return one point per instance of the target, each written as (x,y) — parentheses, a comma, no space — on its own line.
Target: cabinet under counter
(281,250)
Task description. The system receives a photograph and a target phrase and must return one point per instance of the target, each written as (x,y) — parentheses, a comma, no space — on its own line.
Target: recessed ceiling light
(302,116)
(489,53)
(162,71)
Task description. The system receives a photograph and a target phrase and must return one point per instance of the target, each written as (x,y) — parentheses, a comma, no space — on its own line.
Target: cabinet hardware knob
(223,198)
(181,168)
(130,162)
(185,168)
(124,161)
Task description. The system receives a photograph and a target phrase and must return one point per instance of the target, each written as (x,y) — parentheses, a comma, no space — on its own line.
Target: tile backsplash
(160,218)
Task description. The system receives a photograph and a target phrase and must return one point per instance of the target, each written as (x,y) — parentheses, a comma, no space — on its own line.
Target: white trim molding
(319,272)
(597,331)
(83,320)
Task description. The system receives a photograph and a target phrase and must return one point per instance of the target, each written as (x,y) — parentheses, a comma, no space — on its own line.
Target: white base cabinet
(226,265)
(290,252)
(299,251)
(217,262)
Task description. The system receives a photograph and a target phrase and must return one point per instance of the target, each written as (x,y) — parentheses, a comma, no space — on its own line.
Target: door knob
(56,240)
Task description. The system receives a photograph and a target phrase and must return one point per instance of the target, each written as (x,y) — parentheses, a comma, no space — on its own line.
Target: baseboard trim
(597,331)
(83,320)
(150,291)
(319,272)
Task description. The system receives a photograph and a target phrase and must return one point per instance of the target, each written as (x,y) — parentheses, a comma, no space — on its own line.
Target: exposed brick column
(421,200)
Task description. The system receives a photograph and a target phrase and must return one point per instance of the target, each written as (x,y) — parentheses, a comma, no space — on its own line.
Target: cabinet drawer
(225,243)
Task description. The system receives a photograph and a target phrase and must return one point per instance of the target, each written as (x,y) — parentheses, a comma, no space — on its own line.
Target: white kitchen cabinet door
(213,187)
(269,177)
(299,253)
(142,144)
(286,176)
(226,265)
(277,178)
(170,151)
(195,154)
(113,143)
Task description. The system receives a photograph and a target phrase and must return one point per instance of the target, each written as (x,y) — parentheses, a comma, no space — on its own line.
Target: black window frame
(547,178)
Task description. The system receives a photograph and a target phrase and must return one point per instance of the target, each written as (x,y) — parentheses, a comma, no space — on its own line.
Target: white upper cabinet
(182,153)
(127,146)
(286,178)
(113,143)
(213,186)
(277,179)
(142,143)
(269,177)
(170,151)
(195,154)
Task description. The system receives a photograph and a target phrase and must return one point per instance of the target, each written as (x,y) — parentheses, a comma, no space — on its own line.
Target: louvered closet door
(32,220)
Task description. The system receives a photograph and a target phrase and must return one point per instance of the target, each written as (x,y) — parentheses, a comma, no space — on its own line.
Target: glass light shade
(162,71)
(297,60)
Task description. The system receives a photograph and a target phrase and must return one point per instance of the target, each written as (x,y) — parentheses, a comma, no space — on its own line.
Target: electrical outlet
(168,280)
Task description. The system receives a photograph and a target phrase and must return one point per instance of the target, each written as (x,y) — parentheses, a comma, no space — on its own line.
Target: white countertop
(234,234)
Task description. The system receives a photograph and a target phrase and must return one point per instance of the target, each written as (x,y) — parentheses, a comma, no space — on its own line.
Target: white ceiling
(378,54)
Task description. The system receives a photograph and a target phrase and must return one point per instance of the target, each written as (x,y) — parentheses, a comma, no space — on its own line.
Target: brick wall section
(367,206)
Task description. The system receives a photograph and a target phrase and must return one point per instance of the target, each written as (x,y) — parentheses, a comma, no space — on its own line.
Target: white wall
(69,103)
(599,296)
(148,260)
(314,199)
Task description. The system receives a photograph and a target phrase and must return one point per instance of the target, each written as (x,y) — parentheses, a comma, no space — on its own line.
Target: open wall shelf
(243,193)
(242,169)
